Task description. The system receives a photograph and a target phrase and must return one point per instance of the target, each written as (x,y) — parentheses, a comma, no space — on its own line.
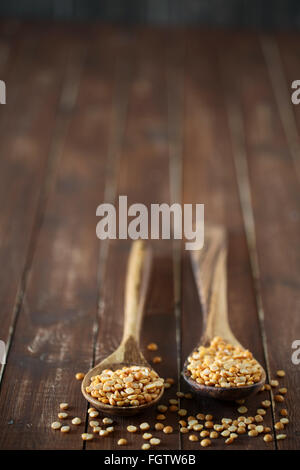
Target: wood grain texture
(275,198)
(284,64)
(209,178)
(34,80)
(53,336)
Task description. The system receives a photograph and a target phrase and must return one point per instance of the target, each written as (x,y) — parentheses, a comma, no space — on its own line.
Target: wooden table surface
(161,115)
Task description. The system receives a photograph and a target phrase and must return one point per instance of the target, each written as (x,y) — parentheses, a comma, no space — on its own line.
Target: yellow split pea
(223,365)
(129,386)
(79,376)
(122,442)
(152,347)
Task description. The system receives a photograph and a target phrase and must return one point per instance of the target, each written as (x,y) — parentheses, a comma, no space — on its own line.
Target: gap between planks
(175,108)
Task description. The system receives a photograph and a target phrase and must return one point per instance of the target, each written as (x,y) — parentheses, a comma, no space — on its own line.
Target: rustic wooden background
(160,115)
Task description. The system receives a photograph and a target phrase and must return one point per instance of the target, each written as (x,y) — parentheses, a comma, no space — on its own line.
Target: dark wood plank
(209,178)
(281,56)
(10,40)
(54,332)
(143,177)
(34,80)
(275,197)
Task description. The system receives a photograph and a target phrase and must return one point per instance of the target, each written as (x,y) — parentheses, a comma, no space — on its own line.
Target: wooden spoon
(128,353)
(209,267)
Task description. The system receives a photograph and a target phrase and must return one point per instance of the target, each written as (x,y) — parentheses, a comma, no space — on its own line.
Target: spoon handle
(137,279)
(210,271)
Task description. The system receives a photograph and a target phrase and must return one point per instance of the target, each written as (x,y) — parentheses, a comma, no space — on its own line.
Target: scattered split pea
(76,421)
(161,417)
(131,428)
(274,383)
(279,398)
(230,440)
(79,376)
(205,442)
(266,403)
(65,429)
(170,381)
(158,426)
(162,408)
(154,441)
(107,421)
(229,429)
(242,409)
(184,430)
(157,360)
(145,426)
(173,401)
(64,406)
(168,429)
(284,421)
(145,446)
(152,347)
(56,425)
(94,424)
(122,442)
(173,408)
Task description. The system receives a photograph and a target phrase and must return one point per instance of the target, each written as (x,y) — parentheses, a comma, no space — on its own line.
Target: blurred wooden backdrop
(239,13)
(161,115)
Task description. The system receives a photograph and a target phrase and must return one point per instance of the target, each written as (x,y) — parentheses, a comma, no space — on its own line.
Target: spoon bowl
(209,268)
(223,393)
(128,353)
